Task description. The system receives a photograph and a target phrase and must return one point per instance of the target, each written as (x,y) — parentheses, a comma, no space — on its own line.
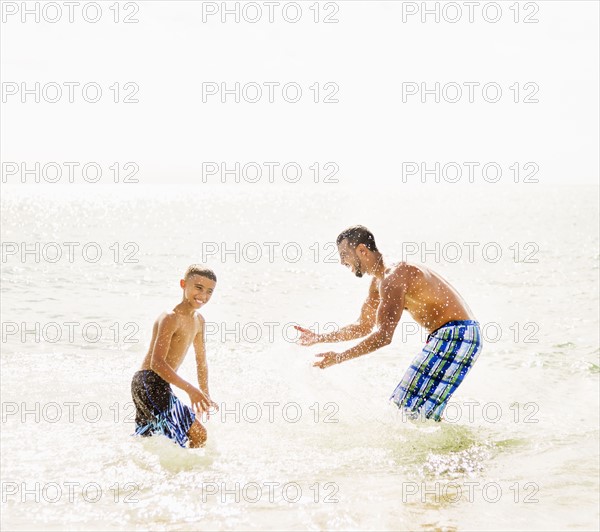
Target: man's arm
(393,293)
(166,329)
(362,327)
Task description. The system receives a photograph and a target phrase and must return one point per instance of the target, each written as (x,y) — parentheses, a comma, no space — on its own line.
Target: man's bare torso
(429,298)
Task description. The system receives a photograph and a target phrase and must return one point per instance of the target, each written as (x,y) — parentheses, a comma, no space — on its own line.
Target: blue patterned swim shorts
(438,369)
(157,408)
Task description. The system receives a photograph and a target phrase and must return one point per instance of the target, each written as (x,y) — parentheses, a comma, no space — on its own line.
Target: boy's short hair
(357,234)
(199,269)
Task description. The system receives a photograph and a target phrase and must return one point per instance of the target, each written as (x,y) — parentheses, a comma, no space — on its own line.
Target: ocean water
(295,447)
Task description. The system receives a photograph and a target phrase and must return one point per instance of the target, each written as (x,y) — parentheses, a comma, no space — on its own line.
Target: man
(454,340)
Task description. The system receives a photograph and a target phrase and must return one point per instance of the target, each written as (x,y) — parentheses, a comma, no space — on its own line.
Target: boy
(158,410)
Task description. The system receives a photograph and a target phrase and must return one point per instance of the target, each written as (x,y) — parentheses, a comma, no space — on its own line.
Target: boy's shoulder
(174,319)
(168,317)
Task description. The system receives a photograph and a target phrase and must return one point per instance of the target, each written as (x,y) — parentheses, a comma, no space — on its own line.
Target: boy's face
(197,290)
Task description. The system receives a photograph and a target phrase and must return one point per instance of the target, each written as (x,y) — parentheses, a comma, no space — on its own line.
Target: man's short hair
(358,234)
(199,269)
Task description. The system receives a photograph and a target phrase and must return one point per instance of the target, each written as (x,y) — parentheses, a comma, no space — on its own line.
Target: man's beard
(357,271)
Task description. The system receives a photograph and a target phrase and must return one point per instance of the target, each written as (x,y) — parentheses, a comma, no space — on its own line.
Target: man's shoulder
(405,268)
(398,269)
(400,274)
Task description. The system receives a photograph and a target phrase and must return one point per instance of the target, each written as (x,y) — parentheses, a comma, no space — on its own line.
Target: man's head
(198,285)
(357,249)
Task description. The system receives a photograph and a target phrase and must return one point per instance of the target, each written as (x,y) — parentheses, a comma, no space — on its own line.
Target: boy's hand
(200,402)
(213,407)
(306,337)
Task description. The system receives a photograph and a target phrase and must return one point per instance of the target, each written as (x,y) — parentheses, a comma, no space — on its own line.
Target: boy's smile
(198,290)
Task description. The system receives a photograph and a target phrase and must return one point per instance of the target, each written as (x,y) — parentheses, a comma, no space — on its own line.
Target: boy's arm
(166,329)
(201,364)
(362,327)
(393,293)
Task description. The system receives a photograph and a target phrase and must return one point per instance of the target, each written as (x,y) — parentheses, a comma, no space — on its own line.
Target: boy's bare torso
(429,299)
(187,329)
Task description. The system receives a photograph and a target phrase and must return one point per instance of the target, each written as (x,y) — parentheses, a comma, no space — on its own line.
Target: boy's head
(198,285)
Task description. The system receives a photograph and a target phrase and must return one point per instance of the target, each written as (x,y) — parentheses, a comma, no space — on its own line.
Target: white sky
(368,54)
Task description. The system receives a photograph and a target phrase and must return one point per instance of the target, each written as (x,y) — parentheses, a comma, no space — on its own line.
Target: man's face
(349,258)
(197,290)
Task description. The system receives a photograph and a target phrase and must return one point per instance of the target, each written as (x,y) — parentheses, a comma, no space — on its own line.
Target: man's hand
(329,359)
(306,337)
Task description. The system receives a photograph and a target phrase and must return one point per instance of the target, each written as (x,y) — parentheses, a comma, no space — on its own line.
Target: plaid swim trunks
(438,369)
